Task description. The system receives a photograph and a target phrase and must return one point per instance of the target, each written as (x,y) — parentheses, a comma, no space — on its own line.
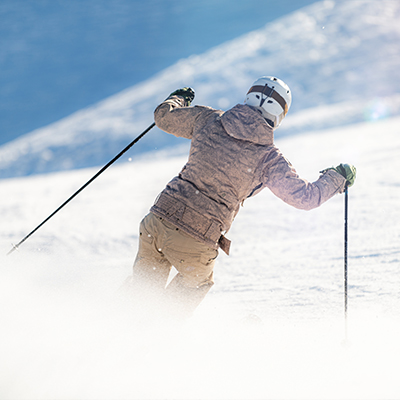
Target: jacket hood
(245,123)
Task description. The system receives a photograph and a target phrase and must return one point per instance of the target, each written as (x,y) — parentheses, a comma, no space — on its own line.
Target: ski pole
(346,202)
(16,246)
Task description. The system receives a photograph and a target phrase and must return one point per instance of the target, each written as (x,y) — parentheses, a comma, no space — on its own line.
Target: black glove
(187,93)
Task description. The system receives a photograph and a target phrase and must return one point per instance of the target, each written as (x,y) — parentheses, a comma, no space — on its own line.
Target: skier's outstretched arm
(285,183)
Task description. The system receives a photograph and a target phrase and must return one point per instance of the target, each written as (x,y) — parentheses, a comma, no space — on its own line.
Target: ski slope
(64,335)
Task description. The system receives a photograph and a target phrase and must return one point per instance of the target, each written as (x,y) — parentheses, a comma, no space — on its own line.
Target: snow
(65,335)
(272,326)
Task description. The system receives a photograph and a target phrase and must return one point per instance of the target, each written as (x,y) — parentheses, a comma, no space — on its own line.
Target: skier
(232,157)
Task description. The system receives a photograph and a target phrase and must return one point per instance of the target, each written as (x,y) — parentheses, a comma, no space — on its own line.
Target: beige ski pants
(161,246)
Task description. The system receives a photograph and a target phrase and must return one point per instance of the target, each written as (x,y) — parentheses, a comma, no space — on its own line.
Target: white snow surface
(332,53)
(65,334)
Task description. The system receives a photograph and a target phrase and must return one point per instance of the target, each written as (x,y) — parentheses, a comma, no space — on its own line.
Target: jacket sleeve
(173,117)
(282,179)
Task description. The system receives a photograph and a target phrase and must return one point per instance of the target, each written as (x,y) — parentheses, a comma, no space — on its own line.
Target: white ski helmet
(272,97)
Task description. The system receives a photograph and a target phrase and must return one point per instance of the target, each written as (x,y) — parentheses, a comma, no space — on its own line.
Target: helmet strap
(270,123)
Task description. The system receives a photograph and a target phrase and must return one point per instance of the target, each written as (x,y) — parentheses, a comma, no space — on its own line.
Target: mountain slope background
(331,53)
(59,56)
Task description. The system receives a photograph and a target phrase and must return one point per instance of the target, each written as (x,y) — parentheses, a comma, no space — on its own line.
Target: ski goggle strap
(270,92)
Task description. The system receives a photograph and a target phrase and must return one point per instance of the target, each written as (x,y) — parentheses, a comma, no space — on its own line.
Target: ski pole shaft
(16,246)
(346,202)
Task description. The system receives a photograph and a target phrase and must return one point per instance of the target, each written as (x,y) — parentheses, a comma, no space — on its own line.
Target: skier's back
(232,157)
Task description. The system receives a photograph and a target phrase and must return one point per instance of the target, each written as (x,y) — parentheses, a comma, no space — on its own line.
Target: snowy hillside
(57,57)
(343,53)
(63,334)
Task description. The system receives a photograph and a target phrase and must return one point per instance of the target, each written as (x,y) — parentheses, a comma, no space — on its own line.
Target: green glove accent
(348,171)
(187,93)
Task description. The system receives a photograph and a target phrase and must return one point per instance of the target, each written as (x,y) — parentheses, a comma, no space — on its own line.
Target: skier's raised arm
(175,116)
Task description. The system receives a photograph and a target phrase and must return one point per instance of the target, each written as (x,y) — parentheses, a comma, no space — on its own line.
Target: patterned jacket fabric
(232,157)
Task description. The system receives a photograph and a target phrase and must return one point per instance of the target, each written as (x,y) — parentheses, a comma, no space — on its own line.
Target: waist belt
(191,221)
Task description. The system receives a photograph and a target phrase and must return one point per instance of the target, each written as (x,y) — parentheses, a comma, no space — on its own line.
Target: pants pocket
(209,256)
(145,236)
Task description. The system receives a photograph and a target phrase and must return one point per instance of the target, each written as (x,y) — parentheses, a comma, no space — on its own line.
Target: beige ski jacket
(232,157)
